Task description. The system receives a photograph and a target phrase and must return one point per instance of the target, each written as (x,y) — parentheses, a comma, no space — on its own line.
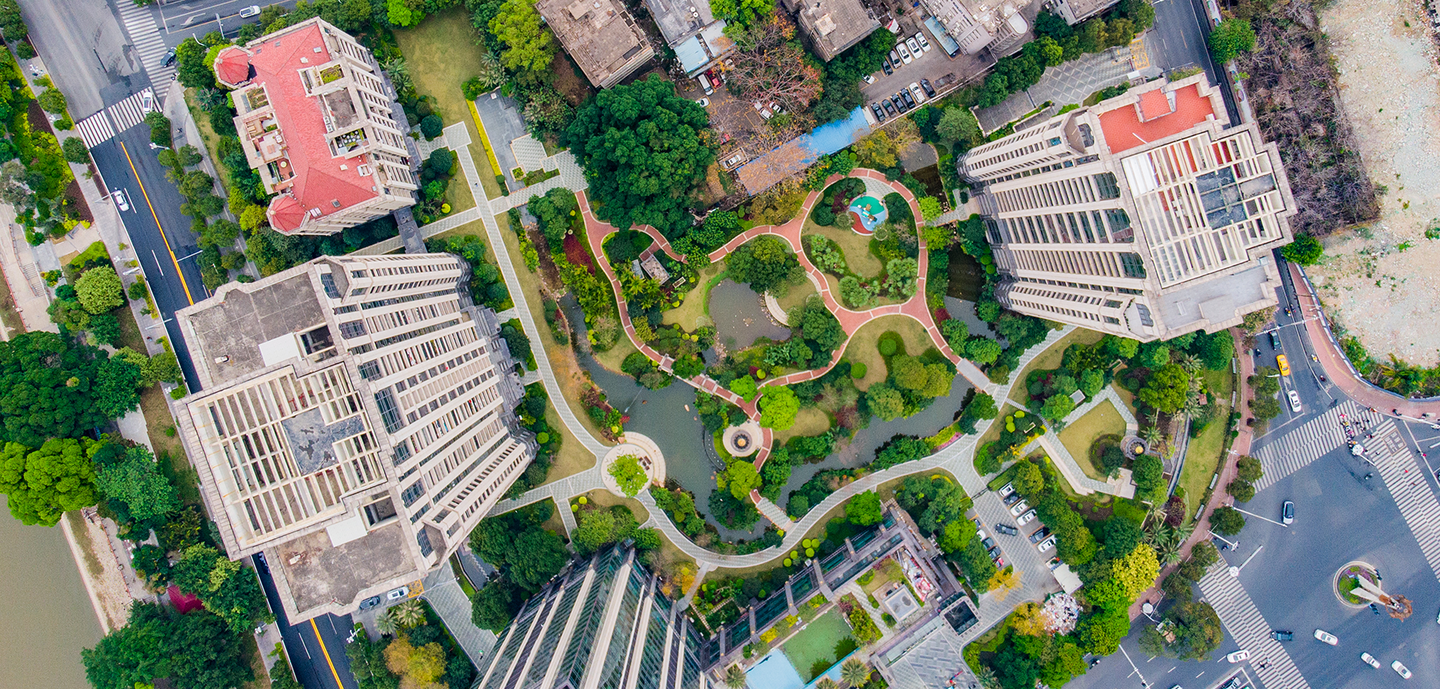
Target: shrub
(159,129)
(75,151)
(857,370)
(432,126)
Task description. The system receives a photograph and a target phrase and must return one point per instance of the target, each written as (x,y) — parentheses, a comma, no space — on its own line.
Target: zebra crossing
(95,129)
(146,38)
(132,110)
(1248,627)
(1404,476)
(1316,438)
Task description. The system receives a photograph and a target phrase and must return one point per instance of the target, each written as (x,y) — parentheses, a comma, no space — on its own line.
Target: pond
(740,317)
(668,417)
(967,276)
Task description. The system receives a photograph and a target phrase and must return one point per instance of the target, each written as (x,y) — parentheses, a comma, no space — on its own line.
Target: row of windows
(447,397)
(481,434)
(1080,227)
(1060,192)
(1096,263)
(1072,313)
(438,427)
(361,291)
(1078,285)
(409,268)
(418,354)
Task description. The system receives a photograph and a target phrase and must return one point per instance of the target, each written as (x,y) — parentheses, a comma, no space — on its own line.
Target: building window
(328,282)
(352,329)
(369,370)
(385,400)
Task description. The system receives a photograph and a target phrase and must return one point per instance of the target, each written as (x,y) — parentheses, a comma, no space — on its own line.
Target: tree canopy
(778,407)
(131,476)
(194,650)
(765,263)
(628,474)
(46,388)
(527,555)
(864,509)
(44,484)
(226,587)
(1166,390)
(1305,250)
(642,151)
(1231,38)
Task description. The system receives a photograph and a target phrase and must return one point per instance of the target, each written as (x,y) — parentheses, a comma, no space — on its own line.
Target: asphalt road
(1179,34)
(316,647)
(195,18)
(86,50)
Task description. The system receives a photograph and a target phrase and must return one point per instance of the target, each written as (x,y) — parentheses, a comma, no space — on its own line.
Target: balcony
(349,142)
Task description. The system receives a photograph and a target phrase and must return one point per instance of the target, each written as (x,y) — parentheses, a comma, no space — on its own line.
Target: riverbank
(100,568)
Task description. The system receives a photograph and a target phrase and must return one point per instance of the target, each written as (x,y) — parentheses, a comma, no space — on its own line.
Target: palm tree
(735,677)
(1152,435)
(408,614)
(987,678)
(855,672)
(384,624)
(826,683)
(1190,363)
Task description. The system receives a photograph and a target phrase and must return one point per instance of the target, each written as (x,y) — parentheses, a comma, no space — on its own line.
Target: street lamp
(160,324)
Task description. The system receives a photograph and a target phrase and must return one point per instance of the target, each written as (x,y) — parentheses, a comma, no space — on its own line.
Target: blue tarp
(938,31)
(691,55)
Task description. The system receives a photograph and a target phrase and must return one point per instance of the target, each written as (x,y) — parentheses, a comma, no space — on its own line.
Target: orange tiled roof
(1124,129)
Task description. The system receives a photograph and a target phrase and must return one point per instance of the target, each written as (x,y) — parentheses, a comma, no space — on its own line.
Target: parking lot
(933,65)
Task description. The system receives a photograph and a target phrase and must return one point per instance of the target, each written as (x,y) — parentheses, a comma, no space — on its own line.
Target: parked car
(1400,669)
(899,104)
(889,108)
(869,78)
(1007,529)
(879,114)
(397,594)
(924,44)
(913,45)
(120,201)
(1327,637)
(1294,400)
(249,11)
(1011,499)
(905,56)
(1370,660)
(895,59)
(1040,533)
(1006,490)
(1019,507)
(369,602)
(1239,656)
(929,90)
(1282,635)
(988,543)
(1026,518)
(994,554)
(704,102)
(1047,544)
(905,96)
(1287,513)
(915,89)
(886,67)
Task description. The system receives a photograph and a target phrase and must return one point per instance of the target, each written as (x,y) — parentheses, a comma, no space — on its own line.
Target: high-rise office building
(316,123)
(354,421)
(600,624)
(1147,215)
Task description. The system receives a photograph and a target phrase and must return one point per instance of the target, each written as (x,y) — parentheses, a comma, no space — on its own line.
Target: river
(45,615)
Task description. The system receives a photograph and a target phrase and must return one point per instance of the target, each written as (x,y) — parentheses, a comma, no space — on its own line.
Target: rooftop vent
(335,203)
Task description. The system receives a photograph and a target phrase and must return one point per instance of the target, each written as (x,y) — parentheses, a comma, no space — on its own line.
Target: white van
(705,84)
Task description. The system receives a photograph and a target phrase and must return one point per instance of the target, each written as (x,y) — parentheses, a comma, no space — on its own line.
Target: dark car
(886,66)
(888,107)
(1274,340)
(899,104)
(169,57)
(988,543)
(1011,499)
(1006,529)
(369,602)
(905,96)
(1040,534)
(994,554)
(1282,635)
(879,114)
(929,91)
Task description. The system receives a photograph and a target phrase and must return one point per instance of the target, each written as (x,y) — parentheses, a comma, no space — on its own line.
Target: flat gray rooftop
(236,326)
(313,443)
(675,20)
(325,573)
(1215,300)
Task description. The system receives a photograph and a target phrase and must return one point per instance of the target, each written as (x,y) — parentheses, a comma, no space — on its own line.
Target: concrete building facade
(692,31)
(1146,215)
(1076,11)
(354,421)
(600,36)
(832,26)
(602,622)
(316,123)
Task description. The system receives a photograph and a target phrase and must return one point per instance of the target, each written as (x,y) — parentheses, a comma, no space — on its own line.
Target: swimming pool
(774,671)
(871,213)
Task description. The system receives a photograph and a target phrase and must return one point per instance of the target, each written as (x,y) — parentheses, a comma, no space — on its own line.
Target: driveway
(503,124)
(1069,83)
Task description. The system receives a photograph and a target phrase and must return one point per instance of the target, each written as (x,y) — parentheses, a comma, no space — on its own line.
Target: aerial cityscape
(742,344)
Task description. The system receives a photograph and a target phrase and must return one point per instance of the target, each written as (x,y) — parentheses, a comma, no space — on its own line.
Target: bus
(1283,364)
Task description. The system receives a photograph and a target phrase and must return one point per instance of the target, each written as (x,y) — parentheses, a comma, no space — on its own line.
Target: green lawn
(815,644)
(862,347)
(1207,449)
(796,295)
(808,421)
(855,247)
(1050,359)
(693,307)
(1079,436)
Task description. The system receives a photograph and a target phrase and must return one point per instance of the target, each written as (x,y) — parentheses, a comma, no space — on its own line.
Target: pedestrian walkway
(529,153)
(1248,627)
(145,37)
(1298,447)
(95,129)
(1079,481)
(771,511)
(448,600)
(1404,476)
(132,111)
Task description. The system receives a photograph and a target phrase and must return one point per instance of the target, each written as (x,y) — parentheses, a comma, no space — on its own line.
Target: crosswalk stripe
(1247,626)
(131,111)
(146,39)
(1300,446)
(1405,478)
(95,129)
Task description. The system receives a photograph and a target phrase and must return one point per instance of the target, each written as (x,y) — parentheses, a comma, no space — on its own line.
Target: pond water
(739,316)
(966,275)
(668,417)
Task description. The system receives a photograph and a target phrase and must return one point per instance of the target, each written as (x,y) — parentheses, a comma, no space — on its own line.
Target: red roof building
(316,123)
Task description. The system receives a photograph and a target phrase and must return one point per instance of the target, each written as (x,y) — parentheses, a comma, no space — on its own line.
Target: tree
(1028,481)
(1091,382)
(226,588)
(12,27)
(1231,38)
(742,478)
(528,45)
(1198,632)
(131,476)
(159,129)
(1227,521)
(956,125)
(1305,250)
(1101,632)
(885,402)
(44,484)
(1121,536)
(1003,580)
(408,614)
(367,663)
(99,290)
(432,126)
(1148,473)
(770,66)
(51,100)
(855,672)
(629,475)
(1249,469)
(192,70)
(1057,407)
(192,650)
(1204,554)
(494,605)
(117,383)
(765,263)
(864,509)
(642,153)
(528,555)
(778,407)
(1242,491)
(75,151)
(1166,389)
(982,350)
(735,677)
(416,666)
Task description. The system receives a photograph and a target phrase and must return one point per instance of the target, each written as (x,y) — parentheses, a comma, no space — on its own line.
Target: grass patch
(441,53)
(612,357)
(207,136)
(814,646)
(465,584)
(862,348)
(554,524)
(257,664)
(796,295)
(1050,359)
(1077,438)
(856,248)
(808,421)
(573,457)
(1207,449)
(695,305)
(9,315)
(155,405)
(604,498)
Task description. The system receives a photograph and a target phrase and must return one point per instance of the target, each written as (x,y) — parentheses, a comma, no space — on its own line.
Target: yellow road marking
(163,238)
(326,651)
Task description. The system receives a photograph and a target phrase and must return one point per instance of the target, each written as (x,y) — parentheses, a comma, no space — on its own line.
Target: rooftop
(678,19)
(319,572)
(236,321)
(1154,115)
(600,35)
(835,25)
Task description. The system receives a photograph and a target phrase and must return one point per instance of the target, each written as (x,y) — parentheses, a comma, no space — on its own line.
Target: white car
(1026,518)
(1006,490)
(904,54)
(120,201)
(1294,400)
(1046,544)
(397,594)
(1239,656)
(895,59)
(1400,669)
(924,44)
(249,11)
(704,102)
(1327,637)
(914,46)
(869,78)
(915,90)
(1370,660)
(1019,507)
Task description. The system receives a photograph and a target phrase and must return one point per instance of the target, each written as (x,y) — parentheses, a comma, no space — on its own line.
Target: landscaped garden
(822,643)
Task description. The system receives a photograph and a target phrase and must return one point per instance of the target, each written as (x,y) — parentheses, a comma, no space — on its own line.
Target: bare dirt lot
(1380,280)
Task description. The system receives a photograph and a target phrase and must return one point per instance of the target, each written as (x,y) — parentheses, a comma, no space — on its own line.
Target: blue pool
(774,671)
